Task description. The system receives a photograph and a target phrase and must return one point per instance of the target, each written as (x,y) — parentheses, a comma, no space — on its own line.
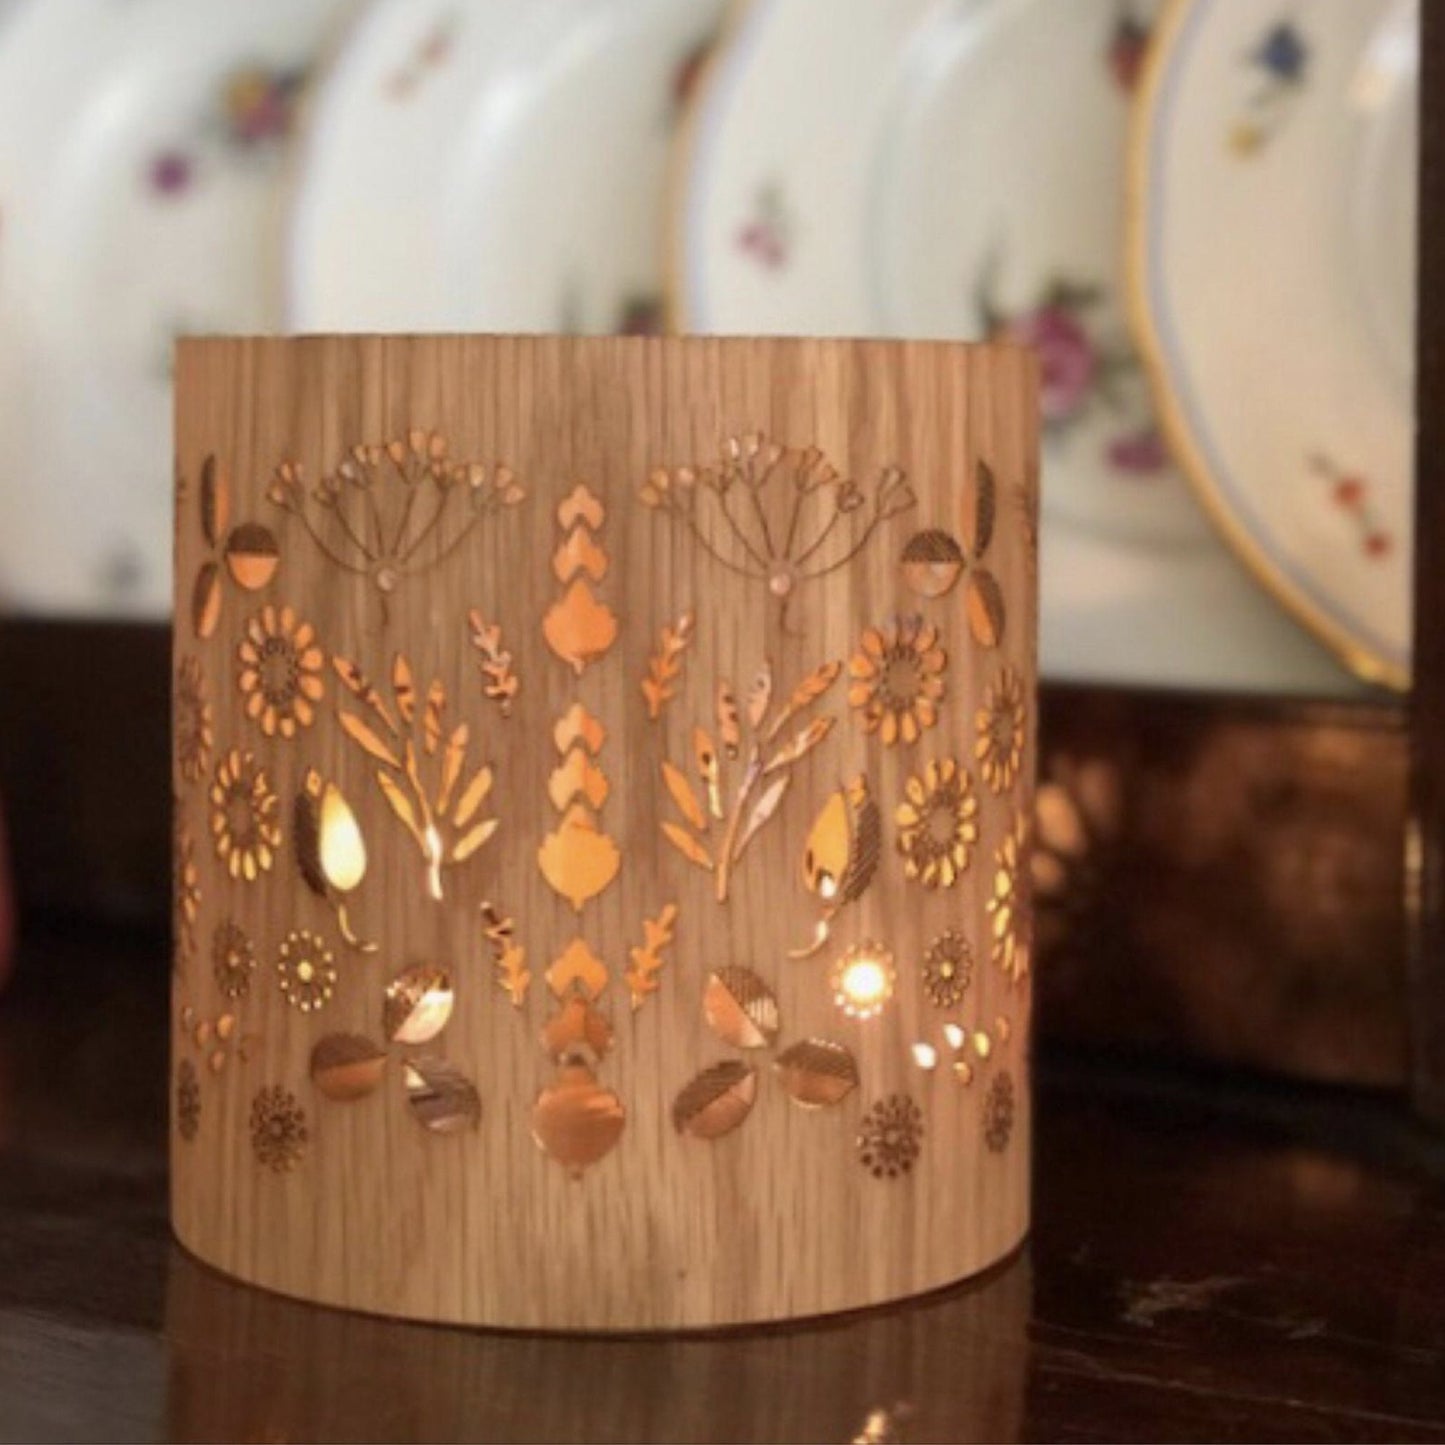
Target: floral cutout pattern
(1008,904)
(947,969)
(408,739)
(938,824)
(779,515)
(764,734)
(186,880)
(890,1137)
(233,960)
(194,724)
(278,1129)
(243,816)
(1002,727)
(279,671)
(305,970)
(897,679)
(391,512)
(998,1112)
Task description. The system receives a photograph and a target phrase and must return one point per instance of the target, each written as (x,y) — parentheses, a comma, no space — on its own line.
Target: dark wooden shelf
(1213,1259)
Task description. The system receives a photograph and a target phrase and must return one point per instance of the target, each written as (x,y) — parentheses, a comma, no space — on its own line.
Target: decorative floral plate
(494,165)
(971,186)
(1273,251)
(141,165)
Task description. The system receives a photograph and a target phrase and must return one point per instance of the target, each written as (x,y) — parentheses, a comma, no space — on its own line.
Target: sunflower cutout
(194,724)
(306,969)
(947,969)
(1002,727)
(897,679)
(243,816)
(938,824)
(233,960)
(1008,902)
(278,1129)
(279,671)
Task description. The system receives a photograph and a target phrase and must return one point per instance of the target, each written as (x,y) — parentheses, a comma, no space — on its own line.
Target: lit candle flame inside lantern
(863,981)
(925,1056)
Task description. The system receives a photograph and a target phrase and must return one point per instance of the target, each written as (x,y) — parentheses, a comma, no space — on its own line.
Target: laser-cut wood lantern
(603,778)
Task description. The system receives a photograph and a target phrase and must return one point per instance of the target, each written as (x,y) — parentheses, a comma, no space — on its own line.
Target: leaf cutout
(844,845)
(468,843)
(704,753)
(800,744)
(360,687)
(206,600)
(578,725)
(473,796)
(346,1067)
(514,978)
(577,774)
(816,1073)
(581,505)
(578,860)
(665,665)
(452,759)
(500,684)
(687,845)
(682,794)
(436,702)
(740,1008)
(367,740)
(579,628)
(760,694)
(807,692)
(417,1004)
(401,806)
(647,960)
(579,553)
(215,501)
(983,602)
(403,688)
(729,724)
(577,970)
(985,508)
(442,1098)
(575,1026)
(306,840)
(763,809)
(716,1101)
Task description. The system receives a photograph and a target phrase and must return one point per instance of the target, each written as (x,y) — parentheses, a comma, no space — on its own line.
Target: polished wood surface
(1212,1260)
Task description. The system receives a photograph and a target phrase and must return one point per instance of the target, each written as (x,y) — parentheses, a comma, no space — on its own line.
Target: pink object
(1067,358)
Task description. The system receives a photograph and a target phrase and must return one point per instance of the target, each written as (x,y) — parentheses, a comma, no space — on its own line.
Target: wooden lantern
(603,782)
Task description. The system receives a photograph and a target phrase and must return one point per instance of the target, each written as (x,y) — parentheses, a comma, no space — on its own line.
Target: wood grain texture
(778,1219)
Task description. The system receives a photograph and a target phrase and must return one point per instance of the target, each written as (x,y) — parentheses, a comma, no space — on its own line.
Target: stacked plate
(1227,357)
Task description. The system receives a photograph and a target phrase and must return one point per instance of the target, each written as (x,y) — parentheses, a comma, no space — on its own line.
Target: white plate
(493,165)
(972,182)
(1274,247)
(140,181)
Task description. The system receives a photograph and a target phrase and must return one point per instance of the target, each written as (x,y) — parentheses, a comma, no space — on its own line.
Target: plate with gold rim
(142,169)
(493,165)
(1273,262)
(970,187)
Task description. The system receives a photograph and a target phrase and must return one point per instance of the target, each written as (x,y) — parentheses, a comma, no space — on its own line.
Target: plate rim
(1181,435)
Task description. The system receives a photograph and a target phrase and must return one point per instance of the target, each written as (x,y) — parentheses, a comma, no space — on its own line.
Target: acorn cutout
(841,854)
(932,563)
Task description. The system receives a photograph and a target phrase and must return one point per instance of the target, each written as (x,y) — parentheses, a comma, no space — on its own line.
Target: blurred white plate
(140,186)
(950,168)
(1275,264)
(493,164)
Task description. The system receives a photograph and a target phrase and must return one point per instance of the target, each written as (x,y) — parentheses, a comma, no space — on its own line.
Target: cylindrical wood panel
(603,779)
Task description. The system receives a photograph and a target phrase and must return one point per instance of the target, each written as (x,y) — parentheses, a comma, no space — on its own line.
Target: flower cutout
(233,960)
(187,899)
(188,1101)
(306,969)
(998,1112)
(862,980)
(947,969)
(279,671)
(890,1137)
(278,1129)
(243,816)
(193,721)
(1009,902)
(1002,726)
(938,824)
(897,679)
